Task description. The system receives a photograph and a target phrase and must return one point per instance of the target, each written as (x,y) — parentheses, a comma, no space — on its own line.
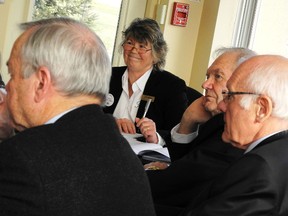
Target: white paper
(138,146)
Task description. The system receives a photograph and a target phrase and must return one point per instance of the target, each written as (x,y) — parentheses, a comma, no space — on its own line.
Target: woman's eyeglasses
(128,45)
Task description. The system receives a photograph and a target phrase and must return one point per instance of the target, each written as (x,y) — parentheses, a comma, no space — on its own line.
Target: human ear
(42,83)
(264,108)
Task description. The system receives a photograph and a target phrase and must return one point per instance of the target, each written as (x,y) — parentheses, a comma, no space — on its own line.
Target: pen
(147,107)
(145,112)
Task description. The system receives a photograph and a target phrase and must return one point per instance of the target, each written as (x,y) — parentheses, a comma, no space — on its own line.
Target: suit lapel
(115,87)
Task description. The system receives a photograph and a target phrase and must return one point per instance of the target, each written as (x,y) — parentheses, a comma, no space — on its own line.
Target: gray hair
(271,81)
(74,54)
(147,30)
(243,53)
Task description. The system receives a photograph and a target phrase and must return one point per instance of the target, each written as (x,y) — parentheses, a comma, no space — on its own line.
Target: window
(247,19)
(100,15)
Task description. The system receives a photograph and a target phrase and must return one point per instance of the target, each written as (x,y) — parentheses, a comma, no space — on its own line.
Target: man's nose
(207,84)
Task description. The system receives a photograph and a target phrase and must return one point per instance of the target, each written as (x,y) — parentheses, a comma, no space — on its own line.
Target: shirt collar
(141,82)
(255,143)
(55,118)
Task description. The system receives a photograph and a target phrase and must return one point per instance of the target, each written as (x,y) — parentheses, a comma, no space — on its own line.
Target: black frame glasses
(129,46)
(227,94)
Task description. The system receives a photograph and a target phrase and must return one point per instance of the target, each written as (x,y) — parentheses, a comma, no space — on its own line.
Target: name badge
(147,97)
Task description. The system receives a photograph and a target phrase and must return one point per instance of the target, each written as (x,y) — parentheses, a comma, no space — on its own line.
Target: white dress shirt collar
(255,143)
(127,107)
(140,83)
(55,118)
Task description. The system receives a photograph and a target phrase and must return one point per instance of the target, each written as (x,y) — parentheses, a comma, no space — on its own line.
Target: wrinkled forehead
(226,64)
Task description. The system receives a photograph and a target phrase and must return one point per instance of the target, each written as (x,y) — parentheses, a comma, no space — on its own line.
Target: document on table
(139,146)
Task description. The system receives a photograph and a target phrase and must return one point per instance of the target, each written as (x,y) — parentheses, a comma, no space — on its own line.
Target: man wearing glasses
(256,120)
(198,153)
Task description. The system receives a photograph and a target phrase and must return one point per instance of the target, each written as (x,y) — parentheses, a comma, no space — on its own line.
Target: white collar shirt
(128,107)
(183,138)
(255,143)
(55,118)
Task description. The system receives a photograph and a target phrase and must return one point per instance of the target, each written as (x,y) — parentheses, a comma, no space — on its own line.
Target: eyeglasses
(128,45)
(228,95)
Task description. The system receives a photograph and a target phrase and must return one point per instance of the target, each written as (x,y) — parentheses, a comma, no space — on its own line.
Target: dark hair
(147,30)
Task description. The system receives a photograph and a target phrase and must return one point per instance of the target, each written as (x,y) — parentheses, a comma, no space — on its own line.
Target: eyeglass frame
(230,93)
(144,50)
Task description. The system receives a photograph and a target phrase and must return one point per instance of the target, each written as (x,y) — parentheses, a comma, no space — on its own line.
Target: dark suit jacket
(193,167)
(80,165)
(170,98)
(256,184)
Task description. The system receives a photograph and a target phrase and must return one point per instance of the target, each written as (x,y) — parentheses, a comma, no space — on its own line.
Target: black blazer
(194,166)
(80,165)
(168,90)
(256,184)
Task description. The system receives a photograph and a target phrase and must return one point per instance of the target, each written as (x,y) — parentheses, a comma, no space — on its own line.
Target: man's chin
(227,139)
(210,107)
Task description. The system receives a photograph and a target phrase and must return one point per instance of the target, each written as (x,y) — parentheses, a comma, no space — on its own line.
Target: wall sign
(180,14)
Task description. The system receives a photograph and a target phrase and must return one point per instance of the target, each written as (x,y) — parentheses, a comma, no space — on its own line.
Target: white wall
(224,30)
(182,40)
(271,29)
(271,35)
